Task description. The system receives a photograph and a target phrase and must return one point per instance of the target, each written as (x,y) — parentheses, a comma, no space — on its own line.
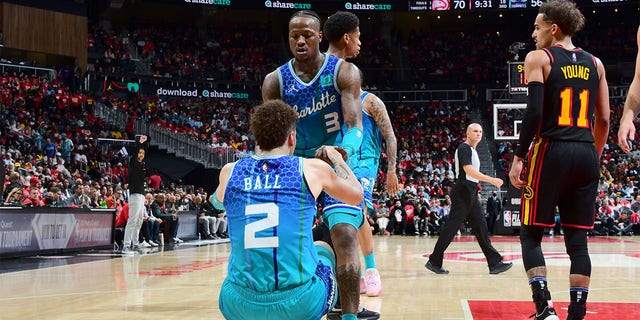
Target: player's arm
(377,109)
(534,65)
(349,82)
(601,127)
(217,197)
(631,107)
(340,184)
(271,87)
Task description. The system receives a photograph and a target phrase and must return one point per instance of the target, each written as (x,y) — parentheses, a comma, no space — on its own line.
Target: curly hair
(271,123)
(565,14)
(338,24)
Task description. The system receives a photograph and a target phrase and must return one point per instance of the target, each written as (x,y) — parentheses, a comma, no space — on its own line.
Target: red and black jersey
(570,94)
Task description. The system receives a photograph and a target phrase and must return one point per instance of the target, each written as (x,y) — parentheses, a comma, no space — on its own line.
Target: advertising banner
(24,232)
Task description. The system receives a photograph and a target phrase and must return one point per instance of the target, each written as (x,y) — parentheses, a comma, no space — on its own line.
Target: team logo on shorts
(528,193)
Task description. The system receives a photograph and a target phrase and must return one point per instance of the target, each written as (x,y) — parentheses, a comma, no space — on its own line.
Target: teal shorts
(311,300)
(335,212)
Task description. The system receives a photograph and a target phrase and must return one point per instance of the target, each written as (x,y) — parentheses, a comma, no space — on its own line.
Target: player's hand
(497,182)
(392,183)
(627,131)
(331,154)
(515,173)
(143,138)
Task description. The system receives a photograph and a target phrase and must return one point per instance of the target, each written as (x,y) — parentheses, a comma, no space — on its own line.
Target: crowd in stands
(52,156)
(246,55)
(185,53)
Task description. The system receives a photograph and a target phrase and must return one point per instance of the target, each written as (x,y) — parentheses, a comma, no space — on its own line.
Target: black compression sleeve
(532,117)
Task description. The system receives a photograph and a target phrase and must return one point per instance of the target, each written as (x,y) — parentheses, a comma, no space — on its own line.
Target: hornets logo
(528,192)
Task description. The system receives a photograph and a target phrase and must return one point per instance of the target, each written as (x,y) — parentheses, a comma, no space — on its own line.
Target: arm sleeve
(531,120)
(352,141)
(216,203)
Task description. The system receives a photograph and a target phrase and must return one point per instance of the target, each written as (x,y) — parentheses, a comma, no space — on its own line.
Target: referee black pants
(465,205)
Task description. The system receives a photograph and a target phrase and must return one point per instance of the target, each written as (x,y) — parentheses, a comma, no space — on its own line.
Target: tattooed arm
(341,184)
(376,108)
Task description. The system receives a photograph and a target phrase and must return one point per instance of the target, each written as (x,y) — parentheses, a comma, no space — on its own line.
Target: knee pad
(576,242)
(530,238)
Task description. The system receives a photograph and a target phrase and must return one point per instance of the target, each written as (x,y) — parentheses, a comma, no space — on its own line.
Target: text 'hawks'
(325,101)
(575,71)
(262,182)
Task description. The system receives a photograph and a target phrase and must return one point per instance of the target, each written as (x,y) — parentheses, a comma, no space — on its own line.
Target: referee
(466,205)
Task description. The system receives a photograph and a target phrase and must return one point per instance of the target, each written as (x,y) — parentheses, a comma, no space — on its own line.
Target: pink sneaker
(372,280)
(363,286)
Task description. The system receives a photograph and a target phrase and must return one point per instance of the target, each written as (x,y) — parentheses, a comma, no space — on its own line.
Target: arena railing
(178,144)
(409,96)
(35,71)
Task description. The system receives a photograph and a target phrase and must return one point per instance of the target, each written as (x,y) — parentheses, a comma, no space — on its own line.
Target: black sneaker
(435,269)
(577,311)
(363,314)
(547,314)
(500,268)
(367,314)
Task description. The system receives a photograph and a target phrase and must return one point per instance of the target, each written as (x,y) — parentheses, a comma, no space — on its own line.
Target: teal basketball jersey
(317,103)
(270,214)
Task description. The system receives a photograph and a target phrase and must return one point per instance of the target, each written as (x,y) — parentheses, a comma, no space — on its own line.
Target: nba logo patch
(573,57)
(506,218)
(325,80)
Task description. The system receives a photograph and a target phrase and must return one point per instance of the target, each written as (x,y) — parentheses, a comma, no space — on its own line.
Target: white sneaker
(145,244)
(152,243)
(128,251)
(177,240)
(373,282)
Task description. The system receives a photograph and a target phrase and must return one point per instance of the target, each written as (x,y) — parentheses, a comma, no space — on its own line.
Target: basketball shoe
(547,314)
(372,282)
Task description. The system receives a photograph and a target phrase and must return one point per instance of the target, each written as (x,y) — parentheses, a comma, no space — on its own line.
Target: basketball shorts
(366,172)
(311,300)
(563,174)
(335,212)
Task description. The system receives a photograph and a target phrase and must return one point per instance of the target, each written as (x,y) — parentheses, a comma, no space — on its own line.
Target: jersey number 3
(332,122)
(251,241)
(566,104)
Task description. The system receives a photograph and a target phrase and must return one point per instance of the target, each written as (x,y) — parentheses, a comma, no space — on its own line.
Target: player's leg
(534,264)
(345,242)
(580,275)
(371,278)
(344,221)
(577,215)
(547,166)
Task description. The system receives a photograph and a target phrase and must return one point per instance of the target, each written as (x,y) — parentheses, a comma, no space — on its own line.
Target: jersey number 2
(566,108)
(251,229)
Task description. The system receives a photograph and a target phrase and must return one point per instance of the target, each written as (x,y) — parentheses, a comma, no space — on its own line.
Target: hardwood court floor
(184,283)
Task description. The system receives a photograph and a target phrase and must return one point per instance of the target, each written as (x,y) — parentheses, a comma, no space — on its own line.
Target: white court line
(466,309)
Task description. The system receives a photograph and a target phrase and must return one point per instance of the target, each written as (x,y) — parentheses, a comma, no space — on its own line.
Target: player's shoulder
(538,55)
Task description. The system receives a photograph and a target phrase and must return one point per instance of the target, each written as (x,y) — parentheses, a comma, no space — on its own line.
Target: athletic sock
(578,305)
(541,295)
(349,316)
(369,261)
(579,294)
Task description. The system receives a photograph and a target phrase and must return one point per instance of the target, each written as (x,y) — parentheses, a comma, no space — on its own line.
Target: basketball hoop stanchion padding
(507,121)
